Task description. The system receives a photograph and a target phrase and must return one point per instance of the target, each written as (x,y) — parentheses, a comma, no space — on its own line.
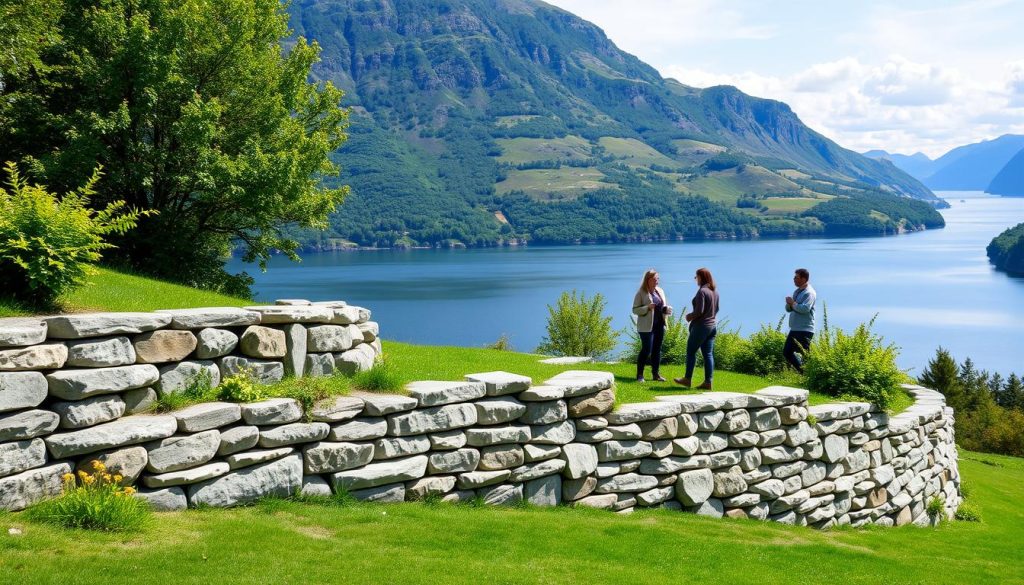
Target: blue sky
(902,76)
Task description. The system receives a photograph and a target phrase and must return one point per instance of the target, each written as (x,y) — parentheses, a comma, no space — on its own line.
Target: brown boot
(682,381)
(705,386)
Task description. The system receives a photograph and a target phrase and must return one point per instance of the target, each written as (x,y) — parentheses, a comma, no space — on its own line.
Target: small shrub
(95,501)
(577,326)
(730,349)
(382,377)
(673,346)
(859,365)
(502,344)
(811,419)
(968,512)
(48,244)
(199,389)
(762,355)
(240,387)
(308,390)
(935,507)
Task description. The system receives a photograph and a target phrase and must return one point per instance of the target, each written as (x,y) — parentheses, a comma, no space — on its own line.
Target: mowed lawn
(292,542)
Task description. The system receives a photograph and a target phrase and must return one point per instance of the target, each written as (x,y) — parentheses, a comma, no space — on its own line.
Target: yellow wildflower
(129,490)
(118,477)
(83,475)
(68,477)
(98,465)
(89,480)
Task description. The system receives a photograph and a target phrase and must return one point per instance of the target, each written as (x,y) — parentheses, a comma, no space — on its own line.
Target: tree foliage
(1006,250)
(193,109)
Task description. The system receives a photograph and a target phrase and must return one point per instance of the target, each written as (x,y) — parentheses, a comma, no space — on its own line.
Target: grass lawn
(553,184)
(110,290)
(293,542)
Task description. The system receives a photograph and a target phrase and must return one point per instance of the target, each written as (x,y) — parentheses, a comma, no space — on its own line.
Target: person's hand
(668,310)
(650,307)
(689,317)
(790,301)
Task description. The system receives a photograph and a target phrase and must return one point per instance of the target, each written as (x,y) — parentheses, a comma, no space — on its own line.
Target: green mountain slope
(480,122)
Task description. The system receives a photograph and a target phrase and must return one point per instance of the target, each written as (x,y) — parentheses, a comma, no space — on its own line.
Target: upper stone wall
(72,389)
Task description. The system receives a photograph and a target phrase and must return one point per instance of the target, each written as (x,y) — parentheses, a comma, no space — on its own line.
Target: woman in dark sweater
(702,329)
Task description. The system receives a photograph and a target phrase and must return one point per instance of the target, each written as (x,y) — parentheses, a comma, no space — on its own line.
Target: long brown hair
(651,273)
(704,277)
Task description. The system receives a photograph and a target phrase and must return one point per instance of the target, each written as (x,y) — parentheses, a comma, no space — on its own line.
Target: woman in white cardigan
(650,305)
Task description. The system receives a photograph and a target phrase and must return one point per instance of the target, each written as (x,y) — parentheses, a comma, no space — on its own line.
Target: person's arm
(664,299)
(639,308)
(805,307)
(699,308)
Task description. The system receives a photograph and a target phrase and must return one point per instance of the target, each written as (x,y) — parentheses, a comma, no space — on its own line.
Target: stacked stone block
(75,387)
(493,437)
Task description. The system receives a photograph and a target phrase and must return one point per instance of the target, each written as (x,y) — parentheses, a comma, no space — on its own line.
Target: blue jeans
(702,338)
(650,351)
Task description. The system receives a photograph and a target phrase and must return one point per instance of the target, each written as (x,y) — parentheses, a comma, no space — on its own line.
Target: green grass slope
(292,542)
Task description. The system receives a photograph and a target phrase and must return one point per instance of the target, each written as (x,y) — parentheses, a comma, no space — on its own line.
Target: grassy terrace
(110,290)
(297,542)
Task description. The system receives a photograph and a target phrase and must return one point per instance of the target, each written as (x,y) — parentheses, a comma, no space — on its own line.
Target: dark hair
(802,273)
(704,277)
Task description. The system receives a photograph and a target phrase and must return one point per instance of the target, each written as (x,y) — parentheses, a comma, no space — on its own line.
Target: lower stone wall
(499,438)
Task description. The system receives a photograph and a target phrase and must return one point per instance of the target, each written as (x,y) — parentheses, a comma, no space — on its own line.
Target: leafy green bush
(968,512)
(673,346)
(730,349)
(577,326)
(240,388)
(502,344)
(382,377)
(96,501)
(49,243)
(935,508)
(859,365)
(762,355)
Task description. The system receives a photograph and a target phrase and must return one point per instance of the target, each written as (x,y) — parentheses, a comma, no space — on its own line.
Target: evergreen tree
(1012,394)
(943,375)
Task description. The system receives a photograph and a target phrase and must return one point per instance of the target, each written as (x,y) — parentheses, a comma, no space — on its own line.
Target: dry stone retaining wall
(67,398)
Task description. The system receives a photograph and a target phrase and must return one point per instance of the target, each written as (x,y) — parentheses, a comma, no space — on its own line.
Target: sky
(908,76)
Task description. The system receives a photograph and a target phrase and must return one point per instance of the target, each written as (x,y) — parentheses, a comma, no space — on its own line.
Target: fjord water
(928,289)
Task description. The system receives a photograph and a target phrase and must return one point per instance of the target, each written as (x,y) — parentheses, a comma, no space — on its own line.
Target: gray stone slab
(280,478)
(75,384)
(295,350)
(622,450)
(89,412)
(432,420)
(329,457)
(785,394)
(21,456)
(329,338)
(580,459)
(385,494)
(642,411)
(382,404)
(100,353)
(546,491)
(129,430)
(392,447)
(203,317)
(345,315)
(183,452)
(20,491)
(360,429)
(19,331)
(274,411)
(568,360)
(580,382)
(103,324)
(27,424)
(315,486)
(237,439)
(318,365)
(478,479)
(482,437)
(501,495)
(215,343)
(129,462)
(458,461)
(337,409)
(434,393)
(293,434)
(19,390)
(205,416)
(592,404)
(431,485)
(381,473)
(553,434)
(532,471)
(500,383)
(187,476)
(250,458)
(447,440)
(293,314)
(498,410)
(171,499)
(45,356)
(262,342)
(545,413)
(357,359)
(542,394)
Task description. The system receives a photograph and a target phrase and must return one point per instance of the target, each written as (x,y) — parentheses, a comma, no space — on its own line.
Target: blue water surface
(928,289)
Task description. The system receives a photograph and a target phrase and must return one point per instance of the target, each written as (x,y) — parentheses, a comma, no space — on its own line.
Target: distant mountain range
(482,122)
(996,166)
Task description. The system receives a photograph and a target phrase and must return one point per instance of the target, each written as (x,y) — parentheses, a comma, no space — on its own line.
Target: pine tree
(943,375)
(1012,395)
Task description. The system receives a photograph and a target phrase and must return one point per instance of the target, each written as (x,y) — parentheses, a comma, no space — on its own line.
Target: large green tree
(195,109)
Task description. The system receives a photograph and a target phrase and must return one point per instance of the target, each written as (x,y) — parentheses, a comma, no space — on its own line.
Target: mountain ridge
(520,110)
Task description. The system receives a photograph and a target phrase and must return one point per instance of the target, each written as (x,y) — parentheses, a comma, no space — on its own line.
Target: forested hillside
(483,122)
